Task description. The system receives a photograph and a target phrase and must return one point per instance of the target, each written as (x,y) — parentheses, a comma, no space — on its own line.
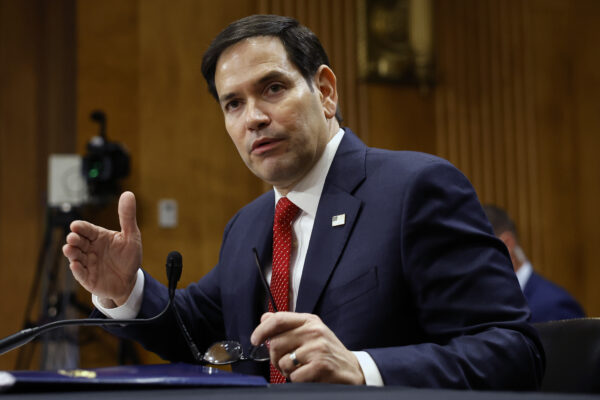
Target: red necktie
(285,212)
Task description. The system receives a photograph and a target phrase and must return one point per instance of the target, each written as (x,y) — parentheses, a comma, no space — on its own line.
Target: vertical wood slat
(464,103)
(531,140)
(487,185)
(508,88)
(441,18)
(474,94)
(496,104)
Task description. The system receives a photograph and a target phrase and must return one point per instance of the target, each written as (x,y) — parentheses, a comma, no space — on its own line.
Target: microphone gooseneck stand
(174,267)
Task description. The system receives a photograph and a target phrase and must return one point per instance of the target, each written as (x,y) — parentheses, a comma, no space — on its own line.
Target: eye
(275,88)
(232,105)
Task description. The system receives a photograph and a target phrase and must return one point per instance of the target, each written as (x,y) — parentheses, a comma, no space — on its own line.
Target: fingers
(300,341)
(280,329)
(291,362)
(76,240)
(127,218)
(85,229)
(304,349)
(308,362)
(76,248)
(322,360)
(286,333)
(273,324)
(78,260)
(80,273)
(309,371)
(74,253)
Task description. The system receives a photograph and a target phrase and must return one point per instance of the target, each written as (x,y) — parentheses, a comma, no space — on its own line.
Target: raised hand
(319,355)
(105,262)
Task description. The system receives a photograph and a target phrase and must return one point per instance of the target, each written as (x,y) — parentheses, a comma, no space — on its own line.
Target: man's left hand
(319,354)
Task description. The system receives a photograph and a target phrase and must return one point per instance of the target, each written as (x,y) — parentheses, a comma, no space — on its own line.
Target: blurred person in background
(547,300)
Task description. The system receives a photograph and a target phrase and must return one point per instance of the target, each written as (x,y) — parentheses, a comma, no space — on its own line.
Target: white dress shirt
(524,273)
(306,195)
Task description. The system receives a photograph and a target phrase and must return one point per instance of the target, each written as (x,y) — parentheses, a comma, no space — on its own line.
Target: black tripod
(54,288)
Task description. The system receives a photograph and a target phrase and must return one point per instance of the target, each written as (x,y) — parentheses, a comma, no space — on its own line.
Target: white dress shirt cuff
(369,369)
(131,308)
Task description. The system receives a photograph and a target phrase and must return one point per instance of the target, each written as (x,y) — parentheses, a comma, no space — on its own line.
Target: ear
(325,82)
(509,240)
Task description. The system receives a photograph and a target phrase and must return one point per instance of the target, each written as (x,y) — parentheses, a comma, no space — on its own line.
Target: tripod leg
(26,352)
(60,348)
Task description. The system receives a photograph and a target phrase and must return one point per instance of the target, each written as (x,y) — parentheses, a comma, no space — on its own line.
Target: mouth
(264,145)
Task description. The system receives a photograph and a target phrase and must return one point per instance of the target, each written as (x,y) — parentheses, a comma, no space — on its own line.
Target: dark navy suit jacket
(415,277)
(550,302)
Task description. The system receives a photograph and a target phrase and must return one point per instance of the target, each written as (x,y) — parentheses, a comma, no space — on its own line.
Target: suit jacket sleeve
(469,311)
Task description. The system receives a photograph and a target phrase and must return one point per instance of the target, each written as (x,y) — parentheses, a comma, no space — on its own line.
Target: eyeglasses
(230,351)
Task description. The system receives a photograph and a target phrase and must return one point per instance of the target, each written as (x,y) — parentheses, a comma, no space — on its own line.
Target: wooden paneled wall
(485,106)
(37,108)
(516,110)
(514,106)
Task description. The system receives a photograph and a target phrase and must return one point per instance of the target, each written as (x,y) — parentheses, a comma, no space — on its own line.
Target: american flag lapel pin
(338,220)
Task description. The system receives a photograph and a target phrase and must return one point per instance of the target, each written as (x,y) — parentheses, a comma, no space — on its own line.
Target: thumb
(127,218)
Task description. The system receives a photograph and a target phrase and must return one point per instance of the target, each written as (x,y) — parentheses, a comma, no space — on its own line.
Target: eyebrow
(266,78)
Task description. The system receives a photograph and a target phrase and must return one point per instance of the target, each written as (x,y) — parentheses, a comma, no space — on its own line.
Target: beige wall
(514,107)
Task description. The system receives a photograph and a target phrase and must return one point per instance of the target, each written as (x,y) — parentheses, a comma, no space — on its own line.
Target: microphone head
(174,267)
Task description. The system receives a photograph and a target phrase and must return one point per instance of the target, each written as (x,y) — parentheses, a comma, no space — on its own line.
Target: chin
(276,180)
(280,173)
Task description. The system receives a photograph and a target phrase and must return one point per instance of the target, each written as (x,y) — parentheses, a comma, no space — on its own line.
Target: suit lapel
(327,242)
(326,245)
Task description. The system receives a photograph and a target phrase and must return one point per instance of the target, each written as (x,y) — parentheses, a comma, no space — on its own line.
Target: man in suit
(547,300)
(394,277)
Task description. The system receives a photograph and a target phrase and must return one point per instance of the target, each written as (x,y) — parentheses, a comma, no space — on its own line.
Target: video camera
(74,181)
(104,164)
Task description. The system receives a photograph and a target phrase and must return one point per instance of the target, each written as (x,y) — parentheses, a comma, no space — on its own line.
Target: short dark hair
(500,220)
(302,46)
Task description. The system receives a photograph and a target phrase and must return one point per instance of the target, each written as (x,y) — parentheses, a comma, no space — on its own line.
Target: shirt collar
(524,273)
(307,192)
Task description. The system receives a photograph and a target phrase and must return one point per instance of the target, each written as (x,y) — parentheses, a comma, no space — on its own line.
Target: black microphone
(174,267)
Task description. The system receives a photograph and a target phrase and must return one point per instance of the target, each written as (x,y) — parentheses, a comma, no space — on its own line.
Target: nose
(256,117)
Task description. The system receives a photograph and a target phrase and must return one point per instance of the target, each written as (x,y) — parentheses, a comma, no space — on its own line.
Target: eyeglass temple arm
(264,280)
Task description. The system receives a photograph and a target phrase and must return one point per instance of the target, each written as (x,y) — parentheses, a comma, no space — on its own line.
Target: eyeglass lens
(229,352)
